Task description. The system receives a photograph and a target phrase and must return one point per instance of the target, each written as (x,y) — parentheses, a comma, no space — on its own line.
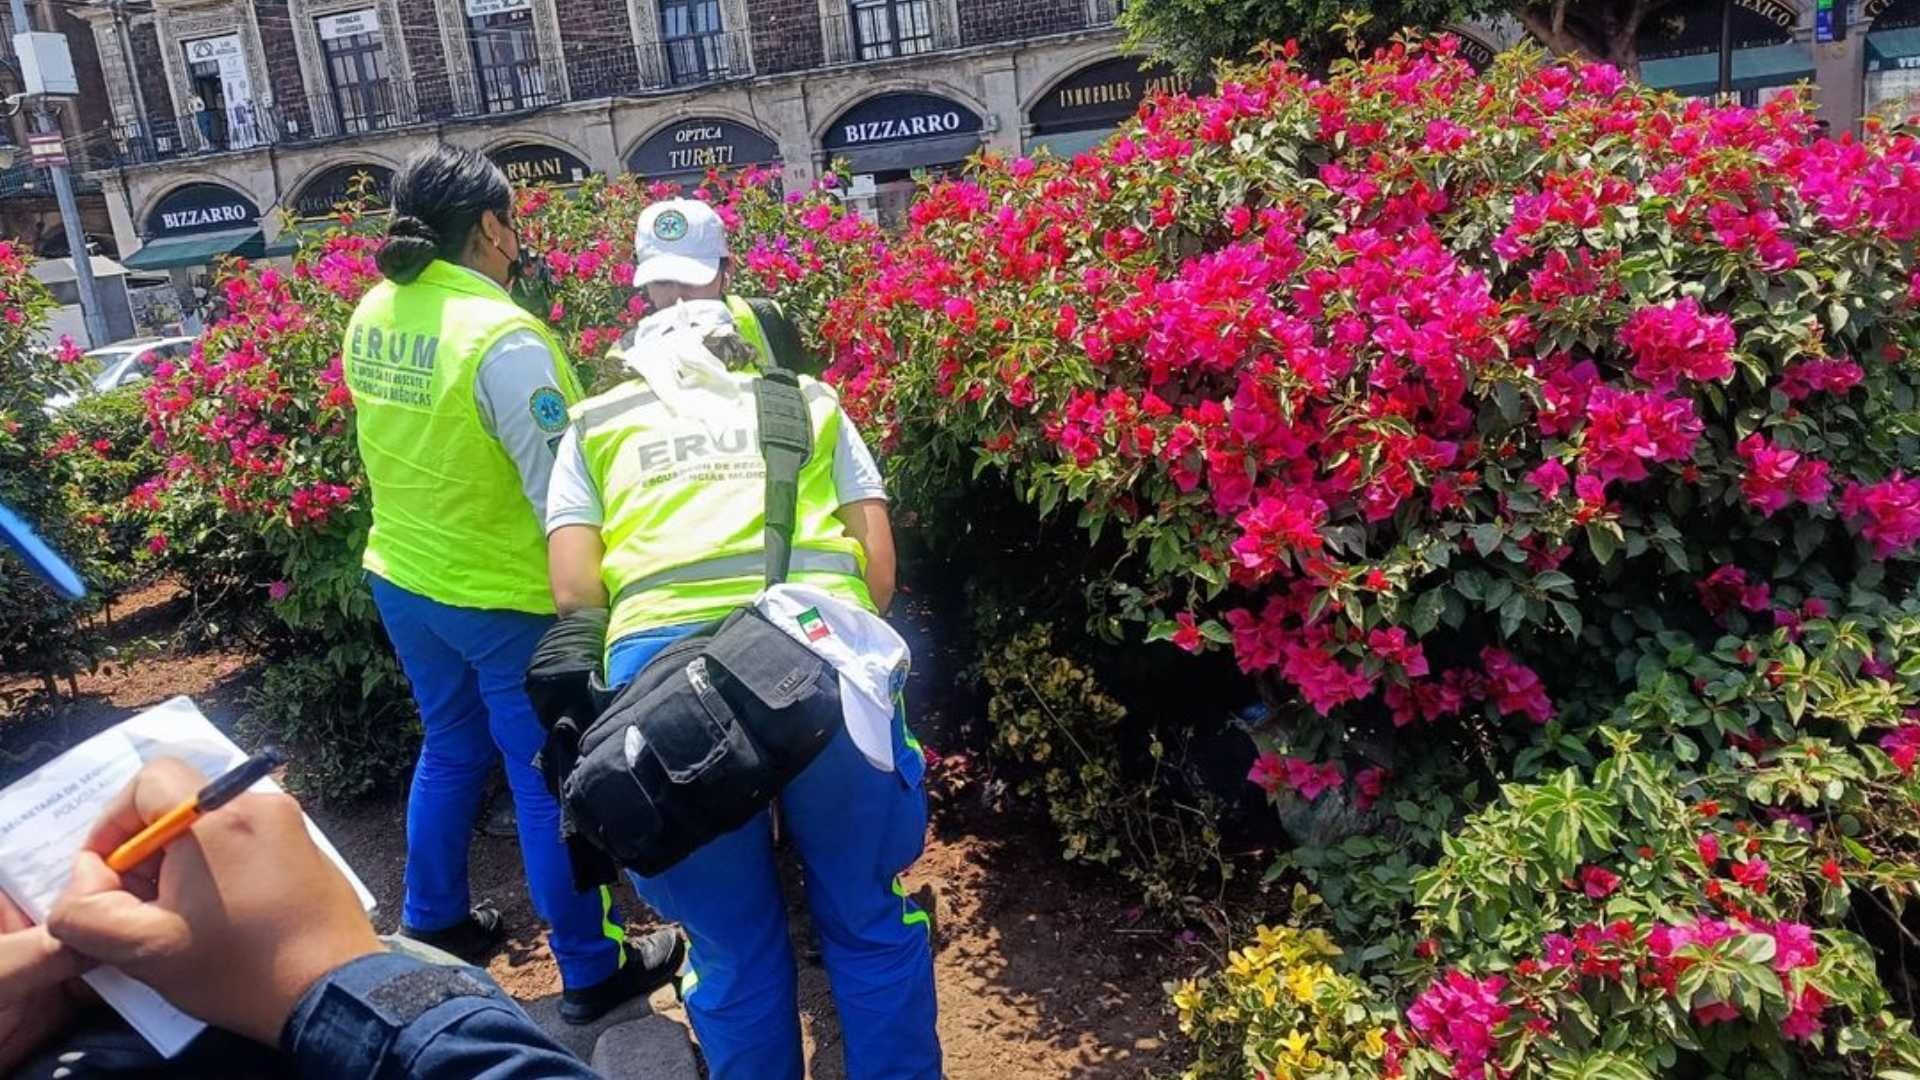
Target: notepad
(45,817)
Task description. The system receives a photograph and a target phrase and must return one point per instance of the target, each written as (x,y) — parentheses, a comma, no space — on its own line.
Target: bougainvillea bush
(1486,422)
(260,509)
(39,632)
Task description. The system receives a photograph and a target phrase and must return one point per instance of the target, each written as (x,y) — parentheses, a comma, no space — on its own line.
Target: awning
(910,154)
(198,249)
(1769,65)
(1886,48)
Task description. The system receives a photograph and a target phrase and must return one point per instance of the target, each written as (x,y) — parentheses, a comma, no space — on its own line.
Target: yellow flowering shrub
(1279,1010)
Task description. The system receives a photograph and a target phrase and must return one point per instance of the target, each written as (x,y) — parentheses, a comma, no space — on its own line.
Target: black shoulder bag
(712,728)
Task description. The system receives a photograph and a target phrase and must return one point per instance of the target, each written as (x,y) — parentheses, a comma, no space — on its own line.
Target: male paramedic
(656,509)
(459,397)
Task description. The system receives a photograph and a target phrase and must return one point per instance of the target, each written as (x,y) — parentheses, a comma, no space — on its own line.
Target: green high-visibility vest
(745,321)
(450,519)
(684,508)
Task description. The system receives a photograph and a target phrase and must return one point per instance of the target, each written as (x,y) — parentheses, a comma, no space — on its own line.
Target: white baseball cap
(679,240)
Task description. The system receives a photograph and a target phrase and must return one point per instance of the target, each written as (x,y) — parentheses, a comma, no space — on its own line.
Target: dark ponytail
(438,197)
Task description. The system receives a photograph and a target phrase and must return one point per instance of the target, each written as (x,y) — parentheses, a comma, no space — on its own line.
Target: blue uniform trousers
(855,829)
(468,668)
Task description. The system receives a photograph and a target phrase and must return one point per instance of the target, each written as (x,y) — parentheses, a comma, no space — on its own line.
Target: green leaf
(1604,538)
(1569,615)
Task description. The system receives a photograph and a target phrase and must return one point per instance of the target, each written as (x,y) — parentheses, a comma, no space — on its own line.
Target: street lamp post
(44,123)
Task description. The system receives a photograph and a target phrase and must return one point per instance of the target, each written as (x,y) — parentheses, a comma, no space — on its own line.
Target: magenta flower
(1549,477)
(1887,513)
(1514,688)
(1902,744)
(1456,1016)
(1677,340)
(1627,431)
(278,591)
(1598,882)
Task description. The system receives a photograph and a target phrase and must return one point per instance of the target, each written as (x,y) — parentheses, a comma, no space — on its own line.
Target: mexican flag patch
(812,625)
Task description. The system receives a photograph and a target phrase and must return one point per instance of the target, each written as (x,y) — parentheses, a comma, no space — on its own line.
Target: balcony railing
(694,60)
(887,31)
(535,83)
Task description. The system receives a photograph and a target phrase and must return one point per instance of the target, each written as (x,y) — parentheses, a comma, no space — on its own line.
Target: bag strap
(783,339)
(786,441)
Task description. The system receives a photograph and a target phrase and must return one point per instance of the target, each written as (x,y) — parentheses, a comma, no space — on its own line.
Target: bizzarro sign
(699,144)
(893,118)
(198,208)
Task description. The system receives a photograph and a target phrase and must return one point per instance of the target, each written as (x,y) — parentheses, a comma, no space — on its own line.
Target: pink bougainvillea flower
(1714,1012)
(1677,341)
(1803,1020)
(1368,784)
(1793,946)
(1457,1016)
(1598,882)
(1627,431)
(1752,874)
(1777,476)
(1887,513)
(278,591)
(1187,636)
(1549,476)
(1708,848)
(1902,744)
(1729,587)
(1514,688)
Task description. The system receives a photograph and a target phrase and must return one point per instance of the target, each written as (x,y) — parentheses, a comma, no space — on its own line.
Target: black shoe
(652,962)
(470,939)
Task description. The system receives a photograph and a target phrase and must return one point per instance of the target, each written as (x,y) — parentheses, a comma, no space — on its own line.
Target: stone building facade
(224,112)
(232,118)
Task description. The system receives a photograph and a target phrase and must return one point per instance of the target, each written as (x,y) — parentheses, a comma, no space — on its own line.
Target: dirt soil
(1043,969)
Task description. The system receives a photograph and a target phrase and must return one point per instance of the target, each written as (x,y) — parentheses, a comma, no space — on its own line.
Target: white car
(116,365)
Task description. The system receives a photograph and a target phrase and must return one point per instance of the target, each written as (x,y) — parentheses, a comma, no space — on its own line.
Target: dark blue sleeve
(392,1017)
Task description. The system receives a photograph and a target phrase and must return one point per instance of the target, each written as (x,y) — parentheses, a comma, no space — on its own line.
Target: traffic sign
(48,148)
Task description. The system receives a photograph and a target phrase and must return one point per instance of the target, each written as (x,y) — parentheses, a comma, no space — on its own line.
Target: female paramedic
(658,502)
(459,397)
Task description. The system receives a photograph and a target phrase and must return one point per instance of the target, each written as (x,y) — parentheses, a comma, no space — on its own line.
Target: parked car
(113,366)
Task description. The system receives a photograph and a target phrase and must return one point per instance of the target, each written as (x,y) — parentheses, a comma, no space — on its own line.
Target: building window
(356,63)
(220,94)
(885,28)
(690,32)
(507,60)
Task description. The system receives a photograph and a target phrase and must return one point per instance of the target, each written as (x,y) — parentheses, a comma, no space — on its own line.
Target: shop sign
(1103,95)
(1692,28)
(1890,14)
(538,163)
(348,24)
(1476,52)
(336,185)
(480,8)
(197,208)
(699,144)
(899,118)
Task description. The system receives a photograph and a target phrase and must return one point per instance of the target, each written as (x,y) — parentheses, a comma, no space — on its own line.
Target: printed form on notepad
(46,816)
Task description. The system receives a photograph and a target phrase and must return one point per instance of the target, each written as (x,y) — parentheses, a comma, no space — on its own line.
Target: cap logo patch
(670,226)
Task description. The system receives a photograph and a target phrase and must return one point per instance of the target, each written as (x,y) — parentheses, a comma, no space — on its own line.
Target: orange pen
(173,824)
